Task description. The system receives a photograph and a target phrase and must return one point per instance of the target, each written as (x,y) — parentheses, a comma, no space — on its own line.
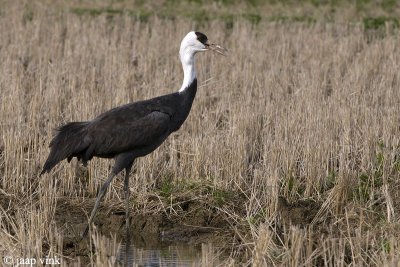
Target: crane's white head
(195,42)
(192,43)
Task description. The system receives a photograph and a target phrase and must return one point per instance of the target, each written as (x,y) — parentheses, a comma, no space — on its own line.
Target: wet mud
(192,222)
(193,225)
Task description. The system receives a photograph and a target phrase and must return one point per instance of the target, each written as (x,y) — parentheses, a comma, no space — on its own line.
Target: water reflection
(146,250)
(160,256)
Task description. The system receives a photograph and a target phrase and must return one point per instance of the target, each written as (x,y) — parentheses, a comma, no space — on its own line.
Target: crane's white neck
(189,71)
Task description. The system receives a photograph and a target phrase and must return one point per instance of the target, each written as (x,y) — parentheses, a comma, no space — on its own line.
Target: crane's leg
(127,224)
(122,161)
(127,193)
(100,196)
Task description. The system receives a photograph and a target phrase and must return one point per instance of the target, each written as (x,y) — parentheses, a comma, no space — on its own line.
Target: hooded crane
(132,130)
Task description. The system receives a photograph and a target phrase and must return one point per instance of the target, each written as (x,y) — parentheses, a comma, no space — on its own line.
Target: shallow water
(161,255)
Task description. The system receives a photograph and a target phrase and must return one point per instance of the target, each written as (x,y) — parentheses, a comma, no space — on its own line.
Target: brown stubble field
(301,122)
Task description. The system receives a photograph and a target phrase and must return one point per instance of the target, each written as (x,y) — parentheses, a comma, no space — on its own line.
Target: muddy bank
(72,216)
(188,221)
(182,218)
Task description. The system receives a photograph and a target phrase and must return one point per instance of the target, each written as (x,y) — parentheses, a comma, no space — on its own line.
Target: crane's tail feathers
(68,142)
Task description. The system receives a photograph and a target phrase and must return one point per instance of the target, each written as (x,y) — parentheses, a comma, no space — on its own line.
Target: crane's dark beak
(217,49)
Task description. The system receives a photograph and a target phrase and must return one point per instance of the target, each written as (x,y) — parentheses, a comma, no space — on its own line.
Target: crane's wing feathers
(114,134)
(139,127)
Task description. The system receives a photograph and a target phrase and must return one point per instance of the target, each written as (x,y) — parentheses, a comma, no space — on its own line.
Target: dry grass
(307,112)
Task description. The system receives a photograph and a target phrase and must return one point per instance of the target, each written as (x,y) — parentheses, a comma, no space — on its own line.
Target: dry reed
(307,112)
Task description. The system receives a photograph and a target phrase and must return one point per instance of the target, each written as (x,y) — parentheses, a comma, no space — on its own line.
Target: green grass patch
(375,23)
(253,18)
(27,15)
(139,14)
(257,218)
(292,185)
(221,196)
(96,11)
(170,189)
(369,182)
(292,19)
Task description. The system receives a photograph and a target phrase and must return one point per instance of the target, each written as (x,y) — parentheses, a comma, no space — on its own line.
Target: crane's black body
(133,130)
(124,133)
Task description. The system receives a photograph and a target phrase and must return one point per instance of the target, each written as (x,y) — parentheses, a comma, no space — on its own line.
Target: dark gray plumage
(137,129)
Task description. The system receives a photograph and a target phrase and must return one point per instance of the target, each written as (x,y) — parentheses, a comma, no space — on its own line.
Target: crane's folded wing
(114,135)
